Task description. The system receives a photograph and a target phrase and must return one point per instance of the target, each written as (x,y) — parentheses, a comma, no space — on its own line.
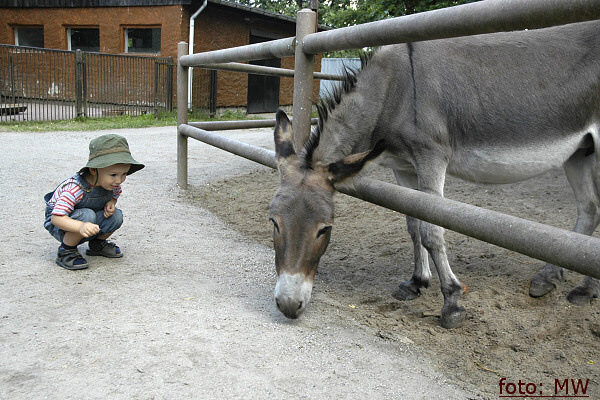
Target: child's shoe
(103,248)
(70,259)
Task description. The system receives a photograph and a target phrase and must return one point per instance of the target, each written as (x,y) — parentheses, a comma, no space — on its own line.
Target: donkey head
(302,214)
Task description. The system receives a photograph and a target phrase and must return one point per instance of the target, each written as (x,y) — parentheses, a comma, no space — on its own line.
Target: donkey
(496,108)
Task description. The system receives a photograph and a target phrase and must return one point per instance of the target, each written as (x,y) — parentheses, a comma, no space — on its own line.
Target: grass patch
(116,122)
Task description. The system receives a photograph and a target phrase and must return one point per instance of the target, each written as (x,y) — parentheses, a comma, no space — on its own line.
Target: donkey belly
(508,164)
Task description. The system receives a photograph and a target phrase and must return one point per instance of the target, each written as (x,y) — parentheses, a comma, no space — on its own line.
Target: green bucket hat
(111,149)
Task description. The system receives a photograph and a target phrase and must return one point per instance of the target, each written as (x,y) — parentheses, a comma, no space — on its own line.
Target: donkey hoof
(407,291)
(540,287)
(453,319)
(580,296)
(544,281)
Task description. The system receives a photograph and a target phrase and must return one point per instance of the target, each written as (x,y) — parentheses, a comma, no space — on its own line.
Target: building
(155,27)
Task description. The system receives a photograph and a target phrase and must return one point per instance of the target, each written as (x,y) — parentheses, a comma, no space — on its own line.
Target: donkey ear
(284,137)
(352,164)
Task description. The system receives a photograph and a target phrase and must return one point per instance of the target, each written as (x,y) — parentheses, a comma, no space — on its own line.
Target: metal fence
(568,249)
(204,93)
(46,84)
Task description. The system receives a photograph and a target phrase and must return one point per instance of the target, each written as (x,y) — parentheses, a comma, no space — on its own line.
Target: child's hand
(109,209)
(88,229)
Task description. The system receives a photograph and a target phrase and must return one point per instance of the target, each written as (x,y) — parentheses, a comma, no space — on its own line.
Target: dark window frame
(21,33)
(142,39)
(87,38)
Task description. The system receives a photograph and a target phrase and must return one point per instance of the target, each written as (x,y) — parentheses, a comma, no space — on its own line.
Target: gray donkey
(495,108)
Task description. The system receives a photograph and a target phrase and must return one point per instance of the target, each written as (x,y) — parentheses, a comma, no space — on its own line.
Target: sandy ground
(538,342)
(188,311)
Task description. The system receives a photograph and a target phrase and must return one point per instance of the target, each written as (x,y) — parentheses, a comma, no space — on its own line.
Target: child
(82,208)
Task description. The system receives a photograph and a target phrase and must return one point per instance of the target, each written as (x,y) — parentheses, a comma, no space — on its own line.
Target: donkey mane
(328,103)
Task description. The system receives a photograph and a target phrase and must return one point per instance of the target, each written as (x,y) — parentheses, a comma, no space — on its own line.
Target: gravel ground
(187,312)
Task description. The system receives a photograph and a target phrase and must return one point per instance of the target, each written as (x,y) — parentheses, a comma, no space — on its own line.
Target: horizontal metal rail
(560,247)
(262,70)
(568,249)
(465,20)
(259,51)
(244,124)
(254,153)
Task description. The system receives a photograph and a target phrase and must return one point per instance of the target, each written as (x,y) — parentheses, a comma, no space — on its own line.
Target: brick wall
(215,28)
(110,20)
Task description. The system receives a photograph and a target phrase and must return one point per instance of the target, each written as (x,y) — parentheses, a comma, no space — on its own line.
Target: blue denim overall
(89,209)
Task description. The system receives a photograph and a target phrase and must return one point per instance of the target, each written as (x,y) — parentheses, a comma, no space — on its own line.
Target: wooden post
(306,23)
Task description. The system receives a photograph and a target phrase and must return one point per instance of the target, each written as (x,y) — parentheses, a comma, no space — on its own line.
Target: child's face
(110,177)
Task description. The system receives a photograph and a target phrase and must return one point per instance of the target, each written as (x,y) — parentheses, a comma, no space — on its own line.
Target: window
(85,39)
(142,40)
(29,36)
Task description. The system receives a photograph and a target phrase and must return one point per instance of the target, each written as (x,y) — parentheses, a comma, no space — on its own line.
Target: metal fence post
(156,72)
(78,83)
(12,79)
(212,101)
(84,83)
(169,102)
(306,23)
(182,116)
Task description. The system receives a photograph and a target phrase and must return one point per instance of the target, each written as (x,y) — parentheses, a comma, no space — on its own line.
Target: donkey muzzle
(292,294)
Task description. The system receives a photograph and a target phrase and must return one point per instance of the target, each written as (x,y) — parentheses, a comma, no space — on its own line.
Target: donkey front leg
(432,175)
(545,281)
(432,237)
(421,276)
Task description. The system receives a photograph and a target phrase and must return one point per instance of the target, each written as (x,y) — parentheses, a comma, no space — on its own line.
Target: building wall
(215,28)
(110,20)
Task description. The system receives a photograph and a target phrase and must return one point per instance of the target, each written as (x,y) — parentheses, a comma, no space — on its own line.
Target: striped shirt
(68,194)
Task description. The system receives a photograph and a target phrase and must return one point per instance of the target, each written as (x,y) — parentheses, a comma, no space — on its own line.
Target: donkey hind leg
(431,180)
(584,176)
(421,276)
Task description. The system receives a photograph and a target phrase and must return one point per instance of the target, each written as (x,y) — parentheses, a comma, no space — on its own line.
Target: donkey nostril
(277,302)
(300,305)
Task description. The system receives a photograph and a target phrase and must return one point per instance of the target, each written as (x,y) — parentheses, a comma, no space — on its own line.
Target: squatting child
(83,207)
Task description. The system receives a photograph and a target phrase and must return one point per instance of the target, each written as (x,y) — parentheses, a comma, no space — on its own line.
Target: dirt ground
(188,311)
(508,334)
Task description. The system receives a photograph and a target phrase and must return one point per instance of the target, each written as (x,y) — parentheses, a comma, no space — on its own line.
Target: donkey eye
(323,231)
